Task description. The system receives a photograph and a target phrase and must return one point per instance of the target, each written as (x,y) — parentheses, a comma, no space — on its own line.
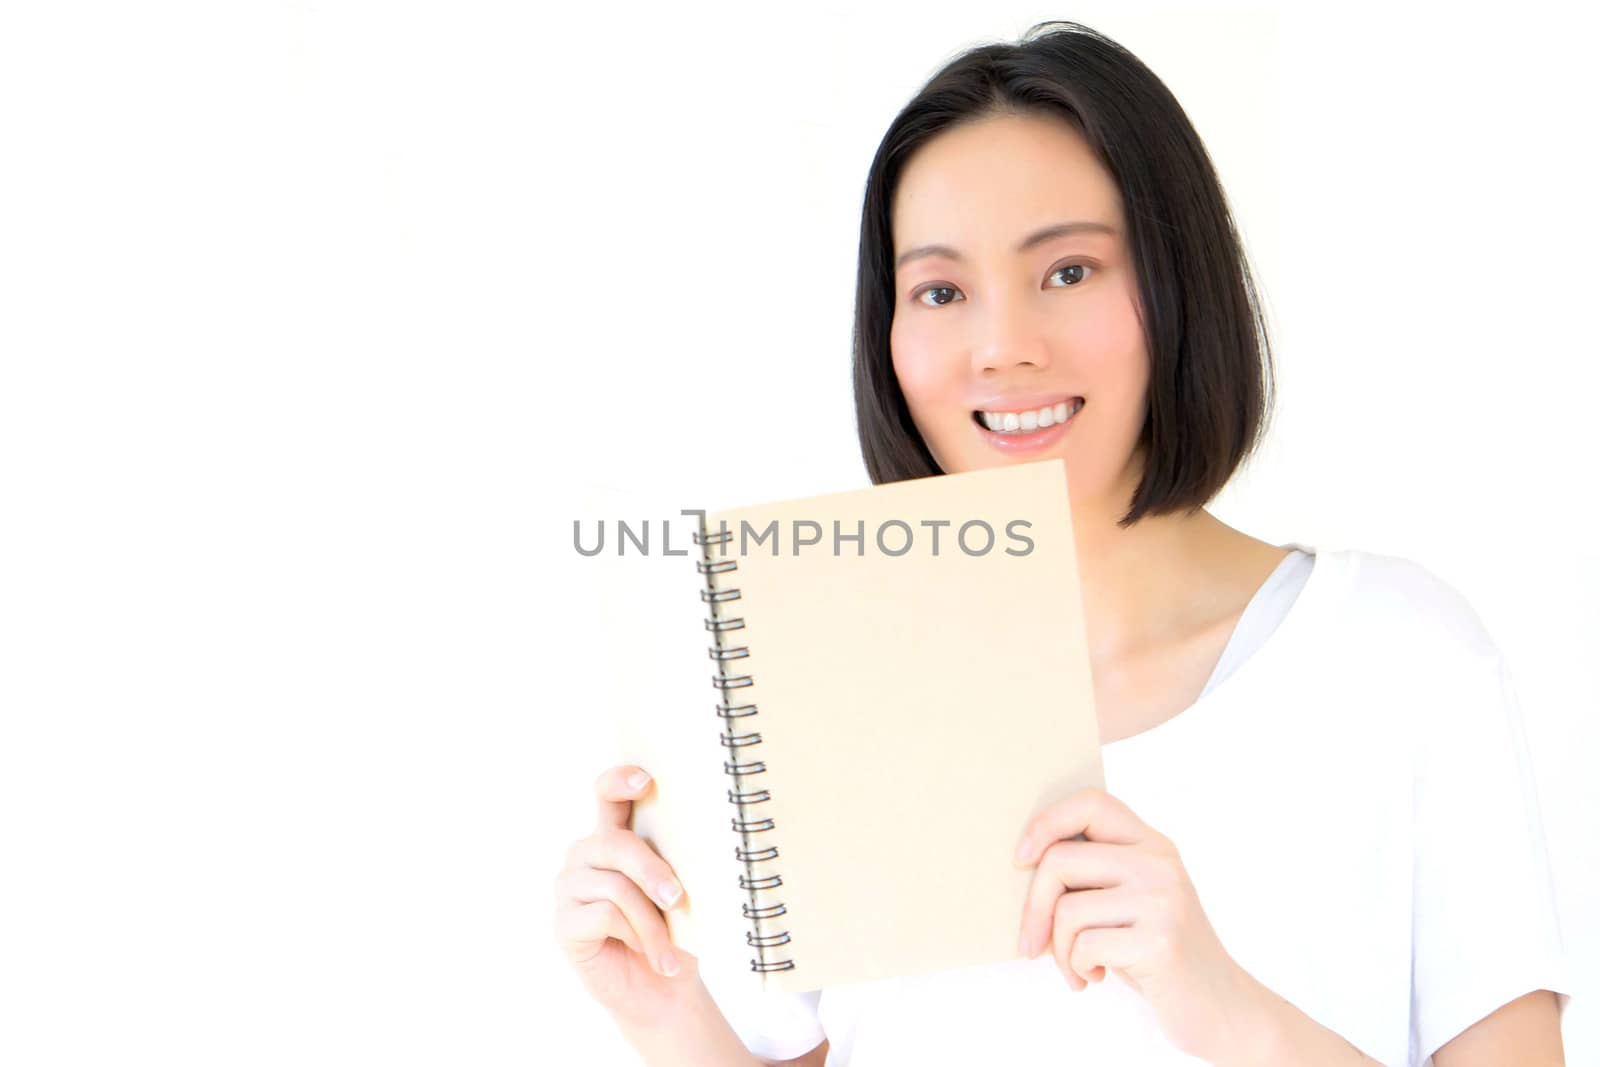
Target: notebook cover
(920,699)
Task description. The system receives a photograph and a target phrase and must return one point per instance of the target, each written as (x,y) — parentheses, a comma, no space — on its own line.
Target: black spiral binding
(720,623)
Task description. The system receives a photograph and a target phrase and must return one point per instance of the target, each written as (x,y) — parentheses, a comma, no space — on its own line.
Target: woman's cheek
(1104,333)
(929,388)
(919,380)
(922,373)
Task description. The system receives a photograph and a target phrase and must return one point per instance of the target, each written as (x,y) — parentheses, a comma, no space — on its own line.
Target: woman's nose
(1010,334)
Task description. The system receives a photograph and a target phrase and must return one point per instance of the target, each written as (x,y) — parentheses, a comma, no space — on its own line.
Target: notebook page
(656,693)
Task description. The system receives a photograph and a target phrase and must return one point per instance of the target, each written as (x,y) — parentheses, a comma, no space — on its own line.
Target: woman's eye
(1078,273)
(937,289)
(1077,280)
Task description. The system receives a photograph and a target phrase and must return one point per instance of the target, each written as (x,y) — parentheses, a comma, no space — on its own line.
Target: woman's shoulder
(1400,603)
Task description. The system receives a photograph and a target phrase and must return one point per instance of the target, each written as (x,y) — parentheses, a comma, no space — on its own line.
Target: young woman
(1322,748)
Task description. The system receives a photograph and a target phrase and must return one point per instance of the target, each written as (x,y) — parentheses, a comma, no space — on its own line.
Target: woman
(1048,268)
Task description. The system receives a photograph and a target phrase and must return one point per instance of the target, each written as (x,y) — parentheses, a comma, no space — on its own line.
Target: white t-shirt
(1354,805)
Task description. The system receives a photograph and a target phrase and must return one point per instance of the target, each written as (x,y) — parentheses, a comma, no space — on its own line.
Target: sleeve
(774,1026)
(1484,924)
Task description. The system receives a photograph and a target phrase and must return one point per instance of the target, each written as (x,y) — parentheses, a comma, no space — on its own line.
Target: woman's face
(994,317)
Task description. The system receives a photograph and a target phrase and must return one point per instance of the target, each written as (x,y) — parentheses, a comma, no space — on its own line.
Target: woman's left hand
(1121,901)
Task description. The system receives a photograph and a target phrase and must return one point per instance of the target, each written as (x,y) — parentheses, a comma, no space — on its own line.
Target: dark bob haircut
(1211,375)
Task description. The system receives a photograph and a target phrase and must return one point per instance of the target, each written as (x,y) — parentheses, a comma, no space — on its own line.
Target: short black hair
(1211,374)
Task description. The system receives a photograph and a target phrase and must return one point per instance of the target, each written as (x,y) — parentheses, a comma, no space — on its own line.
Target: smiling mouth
(1025,422)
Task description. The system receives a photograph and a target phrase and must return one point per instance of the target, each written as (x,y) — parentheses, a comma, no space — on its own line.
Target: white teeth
(1029,421)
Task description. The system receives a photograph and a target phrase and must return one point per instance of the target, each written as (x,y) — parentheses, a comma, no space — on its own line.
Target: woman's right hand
(609,901)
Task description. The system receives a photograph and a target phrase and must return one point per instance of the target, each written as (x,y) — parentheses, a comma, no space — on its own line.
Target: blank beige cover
(914,711)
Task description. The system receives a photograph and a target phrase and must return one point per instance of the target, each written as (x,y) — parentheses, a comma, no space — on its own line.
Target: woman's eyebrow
(1060,229)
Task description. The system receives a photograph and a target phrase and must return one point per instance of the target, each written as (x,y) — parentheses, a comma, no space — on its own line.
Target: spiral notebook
(891,683)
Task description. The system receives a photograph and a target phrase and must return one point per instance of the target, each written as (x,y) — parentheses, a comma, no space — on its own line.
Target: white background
(321,322)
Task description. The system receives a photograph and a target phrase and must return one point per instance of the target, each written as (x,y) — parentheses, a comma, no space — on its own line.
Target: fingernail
(667,893)
(637,780)
(1024,948)
(1022,852)
(669,964)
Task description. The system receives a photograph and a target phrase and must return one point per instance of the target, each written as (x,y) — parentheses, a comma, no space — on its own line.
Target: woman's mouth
(1022,423)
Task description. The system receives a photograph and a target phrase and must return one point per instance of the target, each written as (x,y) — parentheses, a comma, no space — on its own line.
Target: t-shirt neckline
(1281,638)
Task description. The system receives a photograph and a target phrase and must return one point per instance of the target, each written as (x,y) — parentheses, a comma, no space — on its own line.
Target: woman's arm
(697,1035)
(817,1057)
(1281,1033)
(1526,1031)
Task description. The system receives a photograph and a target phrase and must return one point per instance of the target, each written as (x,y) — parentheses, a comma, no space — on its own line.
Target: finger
(652,940)
(1106,949)
(1098,865)
(1068,867)
(1092,812)
(1078,912)
(583,929)
(627,852)
(615,792)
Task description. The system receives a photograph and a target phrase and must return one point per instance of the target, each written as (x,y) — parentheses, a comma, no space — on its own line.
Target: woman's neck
(1163,578)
